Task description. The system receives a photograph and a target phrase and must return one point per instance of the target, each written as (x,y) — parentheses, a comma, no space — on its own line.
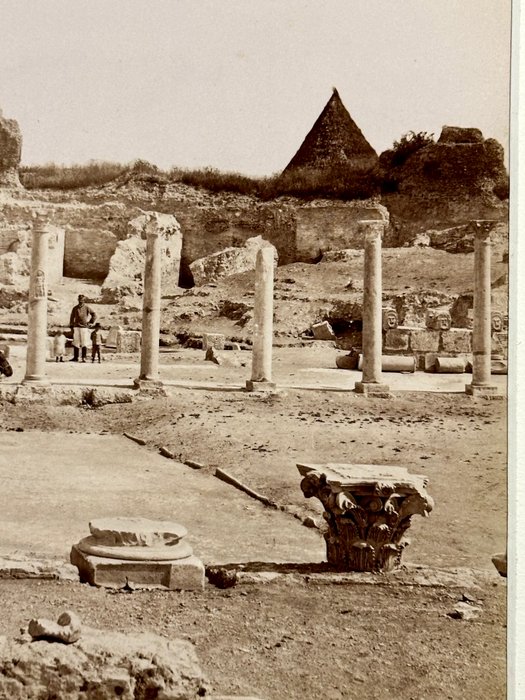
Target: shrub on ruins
(393,159)
(68,177)
(214,180)
(340,181)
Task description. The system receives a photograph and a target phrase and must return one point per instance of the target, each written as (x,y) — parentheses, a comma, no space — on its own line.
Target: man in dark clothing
(81,318)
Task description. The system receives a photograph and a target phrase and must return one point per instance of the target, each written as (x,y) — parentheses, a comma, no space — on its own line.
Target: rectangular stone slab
(180,574)
(364,476)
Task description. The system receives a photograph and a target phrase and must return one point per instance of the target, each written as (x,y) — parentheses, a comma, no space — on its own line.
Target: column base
(149,387)
(36,380)
(264,385)
(381,391)
(180,574)
(483,391)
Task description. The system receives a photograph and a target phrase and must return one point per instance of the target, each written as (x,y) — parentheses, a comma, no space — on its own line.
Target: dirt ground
(303,639)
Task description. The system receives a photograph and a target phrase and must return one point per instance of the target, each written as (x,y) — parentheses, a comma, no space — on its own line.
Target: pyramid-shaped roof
(334,139)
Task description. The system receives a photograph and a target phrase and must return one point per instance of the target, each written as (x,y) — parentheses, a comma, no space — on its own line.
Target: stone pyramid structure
(334,140)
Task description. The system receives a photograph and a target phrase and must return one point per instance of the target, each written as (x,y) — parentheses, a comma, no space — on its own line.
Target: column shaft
(481,330)
(37,306)
(149,354)
(263,317)
(372,306)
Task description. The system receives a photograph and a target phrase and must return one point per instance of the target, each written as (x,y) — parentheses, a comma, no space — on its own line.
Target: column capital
(39,219)
(372,228)
(368,509)
(482,228)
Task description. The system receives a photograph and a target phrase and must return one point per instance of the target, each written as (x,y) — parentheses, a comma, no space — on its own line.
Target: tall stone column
(149,353)
(263,323)
(481,327)
(37,305)
(372,311)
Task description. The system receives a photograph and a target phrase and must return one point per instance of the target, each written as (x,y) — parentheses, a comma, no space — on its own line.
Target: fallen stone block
(323,331)
(219,358)
(128,341)
(394,363)
(498,366)
(347,361)
(465,611)
(500,562)
(450,365)
(111,340)
(67,629)
(102,664)
(213,340)
(126,267)
(227,262)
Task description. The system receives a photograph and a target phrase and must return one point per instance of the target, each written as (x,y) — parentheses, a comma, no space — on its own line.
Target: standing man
(81,317)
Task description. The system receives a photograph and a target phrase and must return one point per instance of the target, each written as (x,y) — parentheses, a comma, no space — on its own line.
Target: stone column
(149,353)
(263,323)
(37,306)
(372,311)
(482,322)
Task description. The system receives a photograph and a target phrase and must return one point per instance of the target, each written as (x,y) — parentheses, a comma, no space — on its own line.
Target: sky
(237,84)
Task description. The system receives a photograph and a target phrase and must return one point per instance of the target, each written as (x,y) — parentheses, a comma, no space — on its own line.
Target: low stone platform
(138,553)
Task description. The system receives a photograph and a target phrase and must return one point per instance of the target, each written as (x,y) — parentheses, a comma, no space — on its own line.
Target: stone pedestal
(482,323)
(371,383)
(149,353)
(139,553)
(261,379)
(368,509)
(37,306)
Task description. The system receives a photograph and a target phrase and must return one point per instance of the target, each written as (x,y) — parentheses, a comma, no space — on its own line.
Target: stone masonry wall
(208,230)
(15,252)
(88,252)
(320,229)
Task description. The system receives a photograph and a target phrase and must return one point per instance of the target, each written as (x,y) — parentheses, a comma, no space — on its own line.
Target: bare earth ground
(304,639)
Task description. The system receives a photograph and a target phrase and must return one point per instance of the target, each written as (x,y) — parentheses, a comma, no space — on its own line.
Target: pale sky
(237,84)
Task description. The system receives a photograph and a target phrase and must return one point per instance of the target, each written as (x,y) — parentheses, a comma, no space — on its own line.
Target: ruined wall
(88,252)
(15,254)
(10,152)
(320,229)
(207,230)
(55,260)
(8,238)
(414,214)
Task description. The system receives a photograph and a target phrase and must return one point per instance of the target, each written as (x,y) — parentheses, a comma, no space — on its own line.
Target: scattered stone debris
(110,664)
(465,611)
(67,629)
(224,476)
(500,562)
(194,465)
(138,440)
